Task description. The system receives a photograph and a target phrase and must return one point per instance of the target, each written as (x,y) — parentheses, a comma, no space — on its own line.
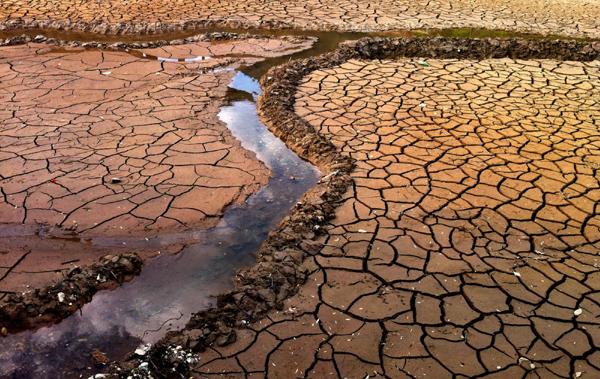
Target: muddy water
(171,287)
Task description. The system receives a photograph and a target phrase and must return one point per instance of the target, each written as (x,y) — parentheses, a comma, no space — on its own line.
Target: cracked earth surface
(573,17)
(468,245)
(75,119)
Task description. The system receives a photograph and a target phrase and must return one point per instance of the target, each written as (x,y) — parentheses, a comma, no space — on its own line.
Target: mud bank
(278,273)
(43,306)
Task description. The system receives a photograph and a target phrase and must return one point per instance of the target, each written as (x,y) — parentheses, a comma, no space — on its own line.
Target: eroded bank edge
(279,272)
(131,30)
(123,43)
(28,310)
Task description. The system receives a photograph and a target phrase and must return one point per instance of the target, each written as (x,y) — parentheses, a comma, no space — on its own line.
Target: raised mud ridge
(137,28)
(278,272)
(99,44)
(43,306)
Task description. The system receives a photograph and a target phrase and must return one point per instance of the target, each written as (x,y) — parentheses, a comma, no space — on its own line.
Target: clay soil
(455,234)
(568,17)
(468,242)
(103,143)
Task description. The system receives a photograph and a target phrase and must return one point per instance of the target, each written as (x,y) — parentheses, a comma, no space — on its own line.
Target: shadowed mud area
(171,287)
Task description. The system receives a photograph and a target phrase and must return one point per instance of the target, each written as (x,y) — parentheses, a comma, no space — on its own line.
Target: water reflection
(170,287)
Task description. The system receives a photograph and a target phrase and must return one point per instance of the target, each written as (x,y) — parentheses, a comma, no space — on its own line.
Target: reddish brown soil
(468,244)
(570,17)
(75,119)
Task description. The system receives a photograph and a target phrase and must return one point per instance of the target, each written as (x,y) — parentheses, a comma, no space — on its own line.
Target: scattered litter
(422,105)
(171,60)
(577,374)
(578,312)
(323,179)
(423,63)
(517,274)
(106,72)
(142,350)
(362,231)
(61,297)
(195,59)
(115,180)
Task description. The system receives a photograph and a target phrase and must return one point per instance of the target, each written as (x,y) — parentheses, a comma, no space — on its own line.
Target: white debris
(61,297)
(98,376)
(362,231)
(106,72)
(323,179)
(577,374)
(578,312)
(142,350)
(517,274)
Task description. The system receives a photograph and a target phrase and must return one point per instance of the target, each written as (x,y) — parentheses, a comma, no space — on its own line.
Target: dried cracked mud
(568,17)
(107,143)
(468,243)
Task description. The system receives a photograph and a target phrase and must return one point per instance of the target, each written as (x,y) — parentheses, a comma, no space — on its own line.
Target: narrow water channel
(170,287)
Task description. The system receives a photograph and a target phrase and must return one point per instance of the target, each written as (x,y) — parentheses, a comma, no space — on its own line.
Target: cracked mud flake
(573,17)
(139,152)
(497,175)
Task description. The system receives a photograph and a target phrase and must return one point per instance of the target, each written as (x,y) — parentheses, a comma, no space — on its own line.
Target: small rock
(4,331)
(61,297)
(578,312)
(100,357)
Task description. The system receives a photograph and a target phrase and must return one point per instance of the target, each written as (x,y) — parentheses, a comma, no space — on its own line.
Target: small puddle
(171,287)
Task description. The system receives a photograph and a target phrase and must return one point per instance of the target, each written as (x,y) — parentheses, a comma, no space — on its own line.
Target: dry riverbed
(455,231)
(567,17)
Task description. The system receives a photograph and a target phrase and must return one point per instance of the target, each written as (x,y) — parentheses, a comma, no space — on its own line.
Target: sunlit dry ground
(469,242)
(106,143)
(570,17)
